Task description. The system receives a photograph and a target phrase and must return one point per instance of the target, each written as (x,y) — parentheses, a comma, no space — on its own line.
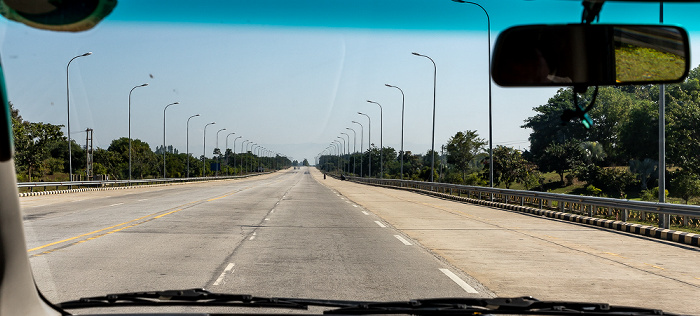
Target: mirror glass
(577,54)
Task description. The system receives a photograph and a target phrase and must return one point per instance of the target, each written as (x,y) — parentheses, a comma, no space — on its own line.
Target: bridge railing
(116,183)
(619,209)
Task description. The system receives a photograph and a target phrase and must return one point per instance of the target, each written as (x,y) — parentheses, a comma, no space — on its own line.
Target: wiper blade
(520,305)
(196,297)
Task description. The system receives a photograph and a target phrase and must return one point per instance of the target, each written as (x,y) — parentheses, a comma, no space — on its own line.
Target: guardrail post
(685,221)
(540,202)
(625,215)
(591,208)
(522,201)
(561,206)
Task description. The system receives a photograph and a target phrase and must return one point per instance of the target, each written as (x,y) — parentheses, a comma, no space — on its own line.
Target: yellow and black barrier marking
(644,230)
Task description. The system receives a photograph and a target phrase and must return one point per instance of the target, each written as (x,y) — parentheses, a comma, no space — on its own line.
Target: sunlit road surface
(294,234)
(281,235)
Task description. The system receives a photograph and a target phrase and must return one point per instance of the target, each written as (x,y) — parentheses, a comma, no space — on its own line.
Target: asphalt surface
(281,235)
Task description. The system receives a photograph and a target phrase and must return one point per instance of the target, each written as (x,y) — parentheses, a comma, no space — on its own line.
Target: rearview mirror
(590,55)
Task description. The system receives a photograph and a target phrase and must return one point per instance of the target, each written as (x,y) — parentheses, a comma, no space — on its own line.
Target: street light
(250,161)
(369,142)
(132,90)
(403,99)
(432,147)
(381,138)
(354,150)
(166,107)
(243,142)
(234,153)
(70,150)
(188,144)
(488,44)
(336,143)
(346,134)
(226,152)
(218,158)
(362,139)
(204,156)
(343,147)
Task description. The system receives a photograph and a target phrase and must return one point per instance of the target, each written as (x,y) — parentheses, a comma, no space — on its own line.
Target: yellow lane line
(87,234)
(122,224)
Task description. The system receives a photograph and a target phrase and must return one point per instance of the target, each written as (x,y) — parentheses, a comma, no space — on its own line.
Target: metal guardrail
(623,210)
(115,183)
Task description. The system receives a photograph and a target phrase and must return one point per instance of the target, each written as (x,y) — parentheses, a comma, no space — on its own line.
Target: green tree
(561,158)
(644,169)
(685,185)
(509,166)
(31,144)
(305,162)
(462,148)
(592,152)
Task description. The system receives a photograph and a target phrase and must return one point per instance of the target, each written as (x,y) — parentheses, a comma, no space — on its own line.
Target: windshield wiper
(519,306)
(436,306)
(196,297)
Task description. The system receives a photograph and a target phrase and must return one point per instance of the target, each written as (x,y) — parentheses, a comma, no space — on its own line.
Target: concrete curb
(94,189)
(644,230)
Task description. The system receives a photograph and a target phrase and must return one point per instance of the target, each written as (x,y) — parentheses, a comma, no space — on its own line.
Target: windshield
(275,103)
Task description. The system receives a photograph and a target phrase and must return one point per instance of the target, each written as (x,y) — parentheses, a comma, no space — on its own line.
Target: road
(282,235)
(294,234)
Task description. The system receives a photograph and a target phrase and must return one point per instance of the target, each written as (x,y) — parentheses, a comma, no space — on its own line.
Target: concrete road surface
(283,235)
(516,254)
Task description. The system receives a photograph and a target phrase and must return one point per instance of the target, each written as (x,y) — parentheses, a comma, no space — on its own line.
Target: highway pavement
(283,234)
(295,234)
(517,254)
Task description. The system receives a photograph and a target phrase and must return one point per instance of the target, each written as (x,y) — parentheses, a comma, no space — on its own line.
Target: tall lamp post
(246,146)
(403,99)
(362,139)
(348,135)
(166,107)
(188,143)
(70,150)
(204,154)
(432,147)
(336,143)
(218,158)
(381,139)
(132,90)
(369,142)
(488,28)
(226,153)
(234,153)
(354,150)
(343,148)
(250,161)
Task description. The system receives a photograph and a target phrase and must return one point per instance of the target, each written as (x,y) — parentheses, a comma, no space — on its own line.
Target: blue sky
(290,78)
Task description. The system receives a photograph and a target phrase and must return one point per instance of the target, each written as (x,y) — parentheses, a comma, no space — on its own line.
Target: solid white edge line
(229,267)
(403,240)
(466,287)
(380,224)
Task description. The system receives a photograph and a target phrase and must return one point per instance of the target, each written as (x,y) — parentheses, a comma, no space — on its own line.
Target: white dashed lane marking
(229,268)
(459,281)
(380,224)
(403,240)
